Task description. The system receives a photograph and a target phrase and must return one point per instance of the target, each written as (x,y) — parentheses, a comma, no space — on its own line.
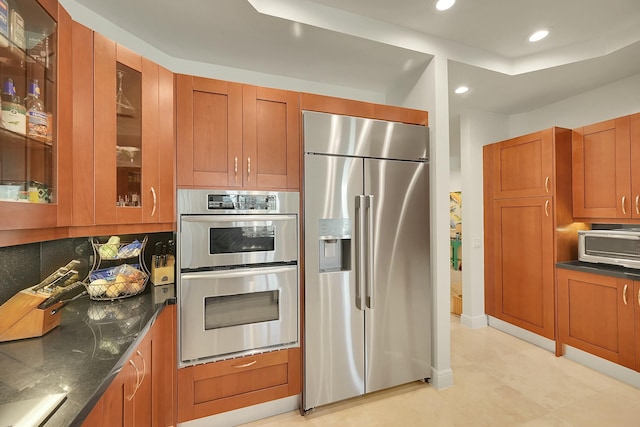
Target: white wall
(607,102)
(477,128)
(430,92)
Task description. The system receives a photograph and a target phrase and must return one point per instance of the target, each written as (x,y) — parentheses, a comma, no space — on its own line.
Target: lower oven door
(232,311)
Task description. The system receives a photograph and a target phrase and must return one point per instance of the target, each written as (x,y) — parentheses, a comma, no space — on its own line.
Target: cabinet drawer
(217,387)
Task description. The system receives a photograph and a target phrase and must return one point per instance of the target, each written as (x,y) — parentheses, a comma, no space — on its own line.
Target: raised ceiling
(371,45)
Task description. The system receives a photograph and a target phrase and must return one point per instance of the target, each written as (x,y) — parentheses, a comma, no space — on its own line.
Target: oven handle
(238,272)
(235,218)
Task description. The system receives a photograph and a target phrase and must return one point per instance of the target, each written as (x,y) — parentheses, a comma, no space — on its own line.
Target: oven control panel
(242,202)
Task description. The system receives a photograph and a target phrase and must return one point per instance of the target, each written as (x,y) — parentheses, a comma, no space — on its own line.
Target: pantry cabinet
(527,218)
(596,314)
(35,160)
(125,108)
(602,171)
(143,392)
(236,136)
(217,387)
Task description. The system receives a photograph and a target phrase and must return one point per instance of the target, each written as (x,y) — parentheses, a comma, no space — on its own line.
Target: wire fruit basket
(118,280)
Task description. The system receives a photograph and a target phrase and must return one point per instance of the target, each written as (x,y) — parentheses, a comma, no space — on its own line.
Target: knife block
(163,275)
(20,317)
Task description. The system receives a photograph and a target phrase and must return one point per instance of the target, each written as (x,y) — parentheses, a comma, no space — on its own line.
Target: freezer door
(398,313)
(334,325)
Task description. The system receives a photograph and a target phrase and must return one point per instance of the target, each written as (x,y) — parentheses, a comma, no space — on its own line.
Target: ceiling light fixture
(444,4)
(538,35)
(461,90)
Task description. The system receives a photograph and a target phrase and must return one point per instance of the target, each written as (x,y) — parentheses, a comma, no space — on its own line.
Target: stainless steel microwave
(617,247)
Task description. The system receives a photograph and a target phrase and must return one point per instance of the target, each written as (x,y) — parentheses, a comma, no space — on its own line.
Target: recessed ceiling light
(461,89)
(444,4)
(538,35)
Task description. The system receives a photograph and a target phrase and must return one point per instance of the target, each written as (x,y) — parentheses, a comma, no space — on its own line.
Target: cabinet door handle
(245,365)
(248,168)
(135,390)
(235,167)
(638,296)
(624,201)
(624,294)
(546,207)
(155,199)
(144,368)
(546,184)
(637,204)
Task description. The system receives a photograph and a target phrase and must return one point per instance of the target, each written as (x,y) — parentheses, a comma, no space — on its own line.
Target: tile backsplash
(23,266)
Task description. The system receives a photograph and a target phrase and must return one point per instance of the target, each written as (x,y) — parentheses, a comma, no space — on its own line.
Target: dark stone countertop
(81,356)
(604,269)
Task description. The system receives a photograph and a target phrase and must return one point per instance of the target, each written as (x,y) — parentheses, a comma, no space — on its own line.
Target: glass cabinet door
(129,136)
(28,103)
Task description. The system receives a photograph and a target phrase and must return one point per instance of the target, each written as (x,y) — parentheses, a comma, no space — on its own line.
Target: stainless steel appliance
(617,247)
(238,273)
(367,286)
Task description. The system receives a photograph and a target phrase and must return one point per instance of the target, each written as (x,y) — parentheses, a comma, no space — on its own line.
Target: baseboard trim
(523,334)
(248,414)
(613,370)
(441,379)
(474,322)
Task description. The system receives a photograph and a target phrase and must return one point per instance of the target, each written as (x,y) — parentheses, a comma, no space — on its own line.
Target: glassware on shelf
(37,119)
(123,105)
(13,112)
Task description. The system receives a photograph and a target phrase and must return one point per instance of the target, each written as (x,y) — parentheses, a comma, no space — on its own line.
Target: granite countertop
(604,269)
(81,356)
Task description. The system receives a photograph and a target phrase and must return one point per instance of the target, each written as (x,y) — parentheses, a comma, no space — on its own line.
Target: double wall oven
(238,273)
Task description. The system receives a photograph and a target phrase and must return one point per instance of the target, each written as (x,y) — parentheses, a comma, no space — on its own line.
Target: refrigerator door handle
(370,247)
(360,245)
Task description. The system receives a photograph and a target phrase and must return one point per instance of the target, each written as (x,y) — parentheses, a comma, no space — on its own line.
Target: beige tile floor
(499,381)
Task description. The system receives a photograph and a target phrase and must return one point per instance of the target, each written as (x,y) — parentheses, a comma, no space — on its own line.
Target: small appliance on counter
(616,247)
(34,311)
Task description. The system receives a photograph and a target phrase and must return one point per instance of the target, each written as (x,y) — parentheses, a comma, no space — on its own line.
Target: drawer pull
(624,294)
(245,365)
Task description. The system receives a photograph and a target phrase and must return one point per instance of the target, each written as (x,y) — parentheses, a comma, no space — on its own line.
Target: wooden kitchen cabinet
(217,387)
(143,392)
(232,135)
(596,315)
(527,217)
(602,171)
(349,107)
(37,163)
(123,137)
(522,166)
(127,401)
(523,263)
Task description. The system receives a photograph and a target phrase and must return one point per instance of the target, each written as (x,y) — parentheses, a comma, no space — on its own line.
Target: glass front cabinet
(35,159)
(133,137)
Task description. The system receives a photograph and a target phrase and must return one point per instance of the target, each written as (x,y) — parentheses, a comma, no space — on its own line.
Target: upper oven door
(228,240)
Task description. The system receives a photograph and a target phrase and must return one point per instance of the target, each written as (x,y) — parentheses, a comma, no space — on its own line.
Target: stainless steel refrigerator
(367,276)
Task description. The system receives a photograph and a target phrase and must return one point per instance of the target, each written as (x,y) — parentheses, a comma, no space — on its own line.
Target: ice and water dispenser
(335,245)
